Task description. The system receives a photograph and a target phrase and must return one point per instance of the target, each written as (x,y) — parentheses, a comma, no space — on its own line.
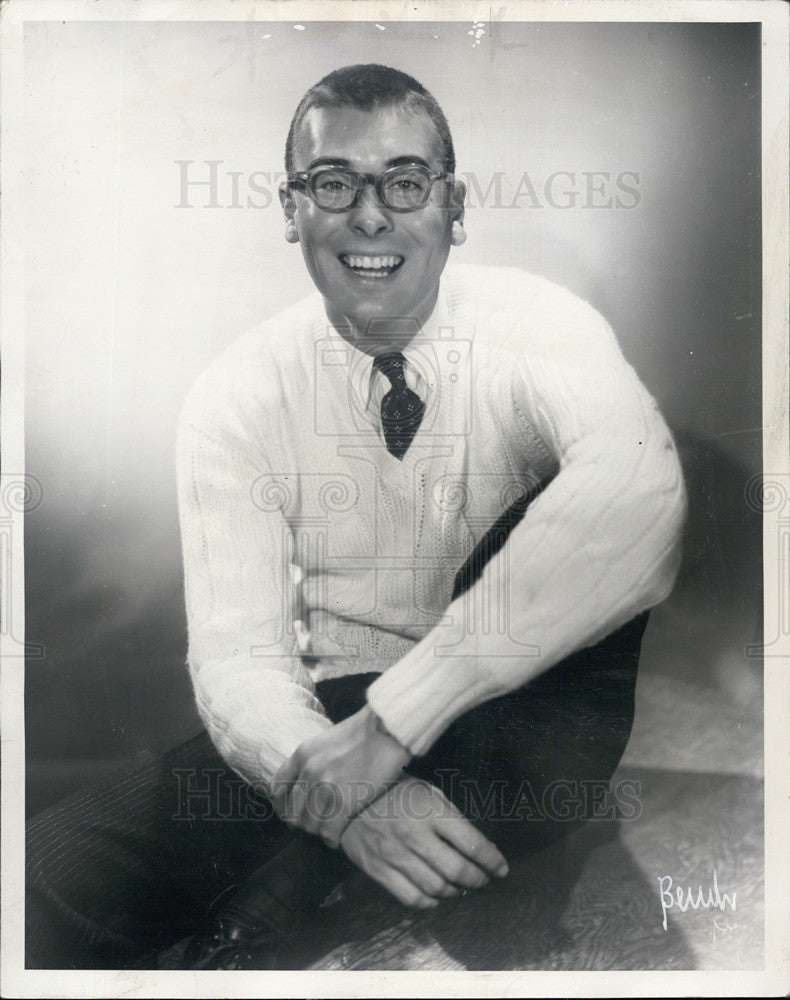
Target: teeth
(371,263)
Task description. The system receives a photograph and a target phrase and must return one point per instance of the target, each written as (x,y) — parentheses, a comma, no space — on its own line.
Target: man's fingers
(287,773)
(425,876)
(452,865)
(281,788)
(470,842)
(293,800)
(403,889)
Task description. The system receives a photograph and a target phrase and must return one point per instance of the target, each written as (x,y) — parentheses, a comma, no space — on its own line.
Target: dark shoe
(251,920)
(226,945)
(261,917)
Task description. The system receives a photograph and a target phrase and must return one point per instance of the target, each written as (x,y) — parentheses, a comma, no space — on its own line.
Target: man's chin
(376,323)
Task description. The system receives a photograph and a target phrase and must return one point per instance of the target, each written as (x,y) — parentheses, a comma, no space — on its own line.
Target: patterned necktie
(401,409)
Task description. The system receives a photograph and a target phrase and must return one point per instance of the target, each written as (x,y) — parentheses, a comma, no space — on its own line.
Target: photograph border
(16,492)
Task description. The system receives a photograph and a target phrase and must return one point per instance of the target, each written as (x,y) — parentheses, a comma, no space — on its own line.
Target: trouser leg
(525,768)
(529,767)
(136,862)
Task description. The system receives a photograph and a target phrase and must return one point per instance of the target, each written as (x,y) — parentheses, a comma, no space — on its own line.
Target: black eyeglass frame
(304,180)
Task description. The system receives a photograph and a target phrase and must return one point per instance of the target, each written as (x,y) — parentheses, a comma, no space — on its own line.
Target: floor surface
(596,904)
(601,906)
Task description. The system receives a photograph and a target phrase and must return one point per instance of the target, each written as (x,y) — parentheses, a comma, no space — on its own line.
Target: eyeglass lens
(402,189)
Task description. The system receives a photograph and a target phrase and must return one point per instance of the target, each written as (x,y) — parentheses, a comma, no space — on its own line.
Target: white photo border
(775,979)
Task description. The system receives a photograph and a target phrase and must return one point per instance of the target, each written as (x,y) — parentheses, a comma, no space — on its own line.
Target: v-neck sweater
(311,552)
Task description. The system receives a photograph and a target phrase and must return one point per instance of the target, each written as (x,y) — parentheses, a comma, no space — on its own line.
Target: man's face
(411,247)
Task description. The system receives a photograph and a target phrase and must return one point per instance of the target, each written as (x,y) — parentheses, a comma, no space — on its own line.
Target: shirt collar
(363,374)
(360,365)
(430,333)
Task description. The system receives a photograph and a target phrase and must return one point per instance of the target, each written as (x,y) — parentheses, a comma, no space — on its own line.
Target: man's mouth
(380,266)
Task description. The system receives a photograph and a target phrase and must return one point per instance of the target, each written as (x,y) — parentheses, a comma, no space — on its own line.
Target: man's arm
(252,690)
(599,545)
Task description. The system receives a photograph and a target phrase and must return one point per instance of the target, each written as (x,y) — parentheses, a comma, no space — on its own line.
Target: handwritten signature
(675,897)
(722,928)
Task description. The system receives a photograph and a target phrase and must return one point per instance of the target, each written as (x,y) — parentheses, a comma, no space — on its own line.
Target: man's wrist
(380,727)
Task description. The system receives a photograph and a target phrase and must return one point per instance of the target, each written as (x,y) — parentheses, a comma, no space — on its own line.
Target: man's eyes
(407,183)
(333,184)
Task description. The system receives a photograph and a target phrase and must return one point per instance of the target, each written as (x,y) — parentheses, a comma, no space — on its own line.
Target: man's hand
(418,845)
(332,777)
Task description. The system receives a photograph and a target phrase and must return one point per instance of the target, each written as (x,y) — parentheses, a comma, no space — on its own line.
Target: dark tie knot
(391,365)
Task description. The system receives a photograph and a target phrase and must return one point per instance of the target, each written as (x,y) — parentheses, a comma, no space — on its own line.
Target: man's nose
(370,216)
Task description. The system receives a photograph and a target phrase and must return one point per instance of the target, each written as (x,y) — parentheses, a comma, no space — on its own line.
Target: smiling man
(424,513)
(390,167)
(428,400)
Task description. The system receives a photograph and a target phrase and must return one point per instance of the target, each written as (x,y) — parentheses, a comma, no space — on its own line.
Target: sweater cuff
(422,694)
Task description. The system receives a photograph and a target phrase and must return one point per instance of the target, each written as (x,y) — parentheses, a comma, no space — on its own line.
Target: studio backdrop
(620,160)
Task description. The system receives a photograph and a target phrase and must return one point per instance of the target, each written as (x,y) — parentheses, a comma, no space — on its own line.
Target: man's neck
(384,334)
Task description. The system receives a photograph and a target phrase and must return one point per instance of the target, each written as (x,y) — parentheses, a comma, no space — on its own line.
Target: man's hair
(368,87)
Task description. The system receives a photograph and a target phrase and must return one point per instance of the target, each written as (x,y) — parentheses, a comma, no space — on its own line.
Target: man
(379,641)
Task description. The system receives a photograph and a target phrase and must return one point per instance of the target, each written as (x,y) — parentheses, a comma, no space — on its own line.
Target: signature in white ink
(683,900)
(723,928)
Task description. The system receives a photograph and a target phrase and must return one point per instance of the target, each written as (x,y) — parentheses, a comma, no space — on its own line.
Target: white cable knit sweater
(311,552)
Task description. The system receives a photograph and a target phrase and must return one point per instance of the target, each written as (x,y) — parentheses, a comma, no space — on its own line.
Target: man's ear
(289,209)
(287,201)
(457,199)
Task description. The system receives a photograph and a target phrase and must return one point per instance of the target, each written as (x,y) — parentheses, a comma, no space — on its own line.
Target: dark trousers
(137,862)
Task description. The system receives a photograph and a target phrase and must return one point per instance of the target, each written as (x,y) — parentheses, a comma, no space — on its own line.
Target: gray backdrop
(133,284)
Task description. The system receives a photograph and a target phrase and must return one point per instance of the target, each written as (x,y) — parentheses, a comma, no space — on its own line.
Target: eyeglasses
(337,189)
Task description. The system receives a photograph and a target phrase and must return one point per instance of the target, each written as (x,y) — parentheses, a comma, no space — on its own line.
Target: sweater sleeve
(598,546)
(252,690)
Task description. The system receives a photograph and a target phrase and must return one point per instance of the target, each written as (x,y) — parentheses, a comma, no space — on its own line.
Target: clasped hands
(333,776)
(348,785)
